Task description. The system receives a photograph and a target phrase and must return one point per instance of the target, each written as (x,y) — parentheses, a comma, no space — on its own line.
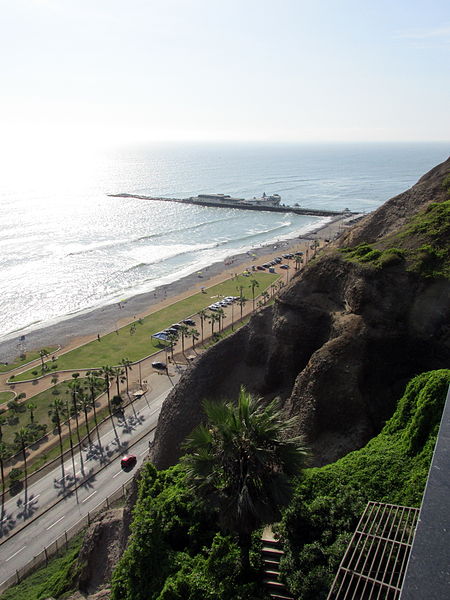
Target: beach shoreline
(72,331)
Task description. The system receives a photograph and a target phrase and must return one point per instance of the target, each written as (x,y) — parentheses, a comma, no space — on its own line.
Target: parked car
(189,322)
(260,268)
(212,307)
(128,461)
(161,366)
(175,326)
(284,266)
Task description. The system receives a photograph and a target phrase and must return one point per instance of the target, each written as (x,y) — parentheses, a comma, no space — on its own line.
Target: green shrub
(392,256)
(15,474)
(328,501)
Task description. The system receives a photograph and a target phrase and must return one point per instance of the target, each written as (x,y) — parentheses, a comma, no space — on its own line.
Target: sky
(233,70)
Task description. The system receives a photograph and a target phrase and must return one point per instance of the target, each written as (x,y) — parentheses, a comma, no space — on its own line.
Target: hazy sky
(225,69)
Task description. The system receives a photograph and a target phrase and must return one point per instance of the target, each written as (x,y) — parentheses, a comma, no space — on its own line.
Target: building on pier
(220,199)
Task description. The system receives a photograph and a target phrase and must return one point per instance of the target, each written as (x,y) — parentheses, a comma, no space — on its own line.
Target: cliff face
(337,347)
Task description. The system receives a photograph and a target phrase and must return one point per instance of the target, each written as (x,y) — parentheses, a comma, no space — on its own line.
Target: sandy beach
(82,327)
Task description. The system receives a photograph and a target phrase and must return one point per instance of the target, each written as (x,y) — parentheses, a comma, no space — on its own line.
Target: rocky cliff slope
(343,338)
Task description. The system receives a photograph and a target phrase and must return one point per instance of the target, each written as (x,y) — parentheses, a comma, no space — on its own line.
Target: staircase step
(271,574)
(271,561)
(276,585)
(272,551)
(270,542)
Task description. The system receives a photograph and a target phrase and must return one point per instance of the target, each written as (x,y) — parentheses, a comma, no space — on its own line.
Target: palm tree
(21,438)
(213,318)
(107,372)
(56,410)
(194,334)
(253,284)
(298,262)
(3,422)
(118,373)
(43,353)
(75,392)
(242,301)
(183,331)
(31,407)
(221,314)
(93,384)
(5,453)
(126,364)
(242,461)
(85,404)
(173,339)
(265,296)
(203,314)
(67,410)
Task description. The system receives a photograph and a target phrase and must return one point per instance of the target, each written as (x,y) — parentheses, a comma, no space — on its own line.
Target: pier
(315,212)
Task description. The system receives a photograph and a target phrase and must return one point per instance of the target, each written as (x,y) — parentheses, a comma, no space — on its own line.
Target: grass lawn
(6,396)
(112,348)
(27,357)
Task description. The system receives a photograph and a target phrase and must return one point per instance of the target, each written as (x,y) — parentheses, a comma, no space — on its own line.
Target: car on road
(128,461)
(189,322)
(161,366)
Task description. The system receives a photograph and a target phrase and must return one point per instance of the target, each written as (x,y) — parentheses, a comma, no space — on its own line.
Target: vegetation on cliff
(421,244)
(328,502)
(177,551)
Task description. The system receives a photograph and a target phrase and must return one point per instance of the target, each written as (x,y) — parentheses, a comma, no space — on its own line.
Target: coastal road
(94,486)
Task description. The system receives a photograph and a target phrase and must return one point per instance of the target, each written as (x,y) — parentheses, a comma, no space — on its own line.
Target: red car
(128,462)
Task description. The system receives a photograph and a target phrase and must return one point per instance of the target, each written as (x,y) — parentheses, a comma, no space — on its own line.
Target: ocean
(66,246)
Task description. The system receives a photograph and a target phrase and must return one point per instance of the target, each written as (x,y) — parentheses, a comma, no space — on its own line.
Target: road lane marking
(114,476)
(90,495)
(56,522)
(145,452)
(12,556)
(32,499)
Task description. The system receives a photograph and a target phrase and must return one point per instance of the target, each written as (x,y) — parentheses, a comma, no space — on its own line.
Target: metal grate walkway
(375,561)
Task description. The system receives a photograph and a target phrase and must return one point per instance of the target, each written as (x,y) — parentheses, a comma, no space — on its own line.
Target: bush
(15,483)
(392,256)
(13,406)
(328,501)
(15,474)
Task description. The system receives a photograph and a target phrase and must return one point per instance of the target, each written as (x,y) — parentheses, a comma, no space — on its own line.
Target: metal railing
(60,544)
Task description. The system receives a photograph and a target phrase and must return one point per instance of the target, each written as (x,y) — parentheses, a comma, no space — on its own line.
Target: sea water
(66,246)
